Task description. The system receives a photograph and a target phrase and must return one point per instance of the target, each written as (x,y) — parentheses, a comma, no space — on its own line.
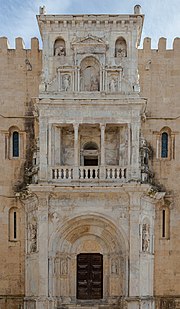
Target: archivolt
(92,225)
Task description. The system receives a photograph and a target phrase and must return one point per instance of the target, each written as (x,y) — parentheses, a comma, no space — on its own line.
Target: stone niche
(90,74)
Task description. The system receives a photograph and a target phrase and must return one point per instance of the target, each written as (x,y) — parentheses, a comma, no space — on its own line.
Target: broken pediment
(89,44)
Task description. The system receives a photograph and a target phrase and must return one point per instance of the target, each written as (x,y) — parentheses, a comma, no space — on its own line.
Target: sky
(18,17)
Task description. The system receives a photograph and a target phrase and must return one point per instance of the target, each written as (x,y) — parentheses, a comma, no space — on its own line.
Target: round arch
(89,234)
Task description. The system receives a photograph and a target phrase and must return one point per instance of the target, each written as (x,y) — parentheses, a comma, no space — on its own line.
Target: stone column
(43,136)
(76,151)
(102,167)
(42,240)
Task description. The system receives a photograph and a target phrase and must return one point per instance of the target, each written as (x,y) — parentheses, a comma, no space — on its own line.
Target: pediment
(89,41)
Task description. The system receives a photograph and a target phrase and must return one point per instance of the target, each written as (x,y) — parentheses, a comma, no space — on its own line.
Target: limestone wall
(19,82)
(159,72)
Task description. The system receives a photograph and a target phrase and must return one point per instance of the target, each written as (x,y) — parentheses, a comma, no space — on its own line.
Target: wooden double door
(90,276)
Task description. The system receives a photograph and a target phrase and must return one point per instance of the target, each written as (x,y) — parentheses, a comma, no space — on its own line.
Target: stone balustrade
(67,173)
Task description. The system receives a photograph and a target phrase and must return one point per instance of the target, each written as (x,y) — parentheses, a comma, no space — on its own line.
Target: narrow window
(15,225)
(164,145)
(163,223)
(15,144)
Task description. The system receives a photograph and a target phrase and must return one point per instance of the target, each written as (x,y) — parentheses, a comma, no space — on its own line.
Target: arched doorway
(90,248)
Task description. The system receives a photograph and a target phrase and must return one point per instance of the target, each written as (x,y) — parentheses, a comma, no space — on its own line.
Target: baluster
(96,173)
(82,173)
(113,173)
(122,173)
(86,173)
(69,173)
(91,173)
(108,173)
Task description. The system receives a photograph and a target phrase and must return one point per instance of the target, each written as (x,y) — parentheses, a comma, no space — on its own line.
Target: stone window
(120,48)
(13,224)
(59,47)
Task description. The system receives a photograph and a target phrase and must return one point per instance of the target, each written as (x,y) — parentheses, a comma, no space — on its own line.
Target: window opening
(163,223)
(15,225)
(15,144)
(164,145)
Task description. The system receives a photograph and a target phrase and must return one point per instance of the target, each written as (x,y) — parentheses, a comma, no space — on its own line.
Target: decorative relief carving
(33,237)
(64,266)
(65,78)
(61,266)
(146,237)
(115,266)
(89,45)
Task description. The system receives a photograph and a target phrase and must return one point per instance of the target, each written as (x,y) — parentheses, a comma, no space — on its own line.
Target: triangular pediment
(89,40)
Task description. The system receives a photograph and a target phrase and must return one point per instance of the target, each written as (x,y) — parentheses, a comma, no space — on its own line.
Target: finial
(42,10)
(137,9)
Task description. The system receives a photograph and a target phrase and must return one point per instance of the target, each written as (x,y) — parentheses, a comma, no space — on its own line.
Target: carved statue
(114,266)
(113,85)
(64,266)
(33,237)
(121,52)
(66,82)
(94,86)
(59,51)
(145,237)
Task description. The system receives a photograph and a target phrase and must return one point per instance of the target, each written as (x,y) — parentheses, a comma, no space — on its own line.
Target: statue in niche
(66,82)
(90,74)
(121,52)
(33,237)
(121,48)
(64,266)
(114,266)
(113,84)
(94,85)
(59,51)
(145,237)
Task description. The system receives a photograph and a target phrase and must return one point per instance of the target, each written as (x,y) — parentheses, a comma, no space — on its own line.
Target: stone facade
(89,154)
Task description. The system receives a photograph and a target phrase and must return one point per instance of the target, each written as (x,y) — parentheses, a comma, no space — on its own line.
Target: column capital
(76,126)
(102,126)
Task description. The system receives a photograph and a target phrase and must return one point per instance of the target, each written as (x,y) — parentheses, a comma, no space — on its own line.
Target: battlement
(19,44)
(162,46)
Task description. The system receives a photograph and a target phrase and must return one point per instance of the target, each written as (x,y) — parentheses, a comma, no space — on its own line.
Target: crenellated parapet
(162,46)
(19,45)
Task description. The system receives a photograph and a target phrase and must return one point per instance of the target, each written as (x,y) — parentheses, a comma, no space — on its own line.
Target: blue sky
(18,17)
